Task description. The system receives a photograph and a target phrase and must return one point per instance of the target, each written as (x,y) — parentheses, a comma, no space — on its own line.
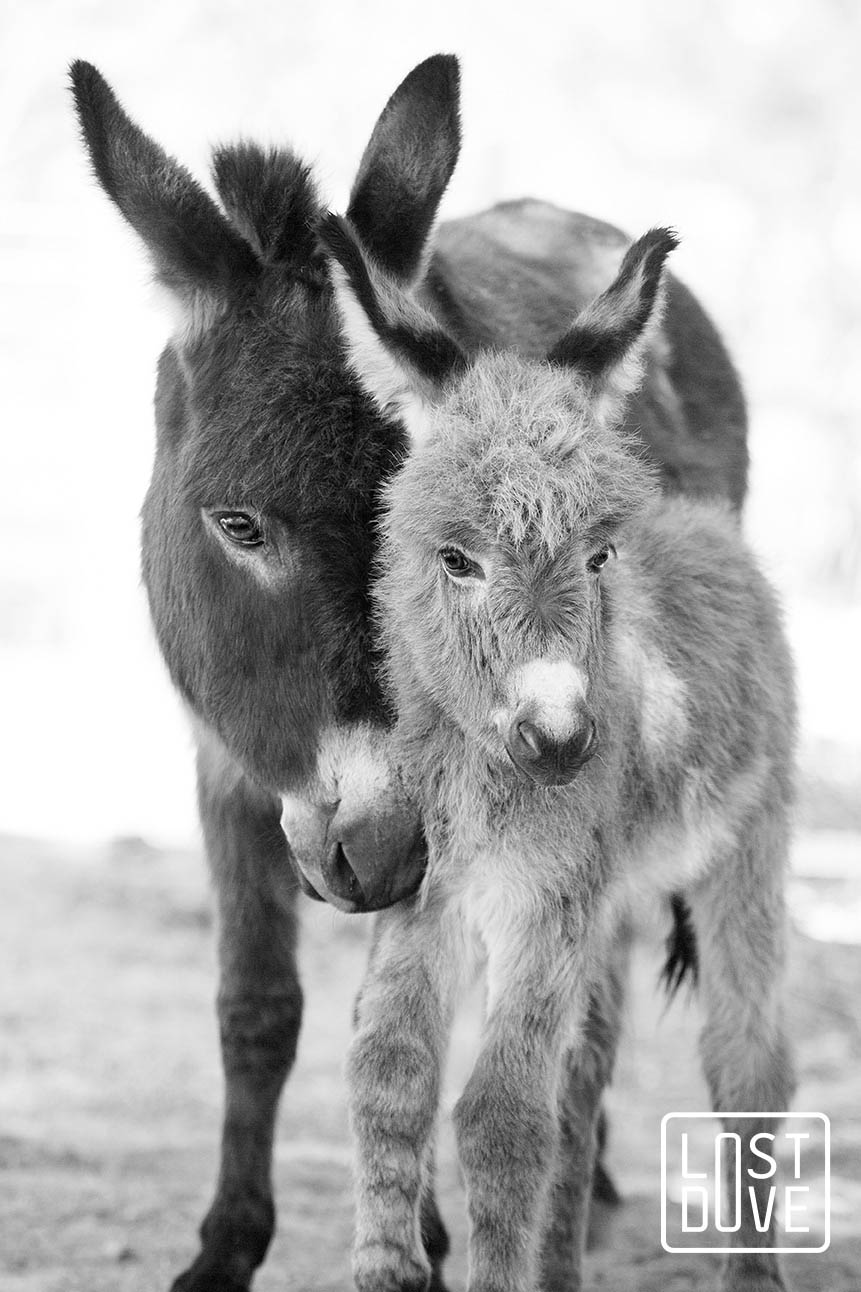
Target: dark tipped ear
(401,355)
(608,338)
(191,242)
(407,165)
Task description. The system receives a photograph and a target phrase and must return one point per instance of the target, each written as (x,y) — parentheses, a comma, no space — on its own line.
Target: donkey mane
(270,198)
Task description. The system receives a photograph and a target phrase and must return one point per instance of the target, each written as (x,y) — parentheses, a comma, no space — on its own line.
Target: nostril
(544,758)
(340,877)
(530,736)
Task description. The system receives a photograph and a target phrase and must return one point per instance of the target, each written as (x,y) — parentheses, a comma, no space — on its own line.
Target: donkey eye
(458,565)
(241,527)
(599,559)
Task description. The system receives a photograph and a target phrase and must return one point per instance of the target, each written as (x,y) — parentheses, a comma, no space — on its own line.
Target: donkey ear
(192,245)
(608,340)
(407,165)
(399,352)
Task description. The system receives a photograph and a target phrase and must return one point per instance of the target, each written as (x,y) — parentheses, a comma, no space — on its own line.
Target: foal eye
(458,565)
(599,559)
(240,527)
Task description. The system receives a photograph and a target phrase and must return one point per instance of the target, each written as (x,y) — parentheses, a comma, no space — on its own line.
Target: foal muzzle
(542,756)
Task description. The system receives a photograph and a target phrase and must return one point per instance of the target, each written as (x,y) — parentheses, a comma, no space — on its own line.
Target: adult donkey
(258,532)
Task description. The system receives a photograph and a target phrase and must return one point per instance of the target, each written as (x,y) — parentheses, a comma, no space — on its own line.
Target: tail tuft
(682,959)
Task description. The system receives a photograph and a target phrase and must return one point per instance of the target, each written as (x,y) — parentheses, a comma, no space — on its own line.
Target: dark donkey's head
(258,533)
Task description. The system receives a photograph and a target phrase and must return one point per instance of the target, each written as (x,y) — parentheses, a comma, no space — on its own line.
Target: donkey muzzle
(354,834)
(545,758)
(367,873)
(357,861)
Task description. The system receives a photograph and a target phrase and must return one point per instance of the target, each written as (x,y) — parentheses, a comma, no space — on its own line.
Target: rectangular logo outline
(746,1251)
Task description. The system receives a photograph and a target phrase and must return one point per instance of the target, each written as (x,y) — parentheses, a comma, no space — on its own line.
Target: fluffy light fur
(256,408)
(688,679)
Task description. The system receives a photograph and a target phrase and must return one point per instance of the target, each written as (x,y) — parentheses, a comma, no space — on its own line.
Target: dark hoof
(206,1275)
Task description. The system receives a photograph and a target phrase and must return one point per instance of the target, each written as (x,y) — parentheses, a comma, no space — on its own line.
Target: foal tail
(681,945)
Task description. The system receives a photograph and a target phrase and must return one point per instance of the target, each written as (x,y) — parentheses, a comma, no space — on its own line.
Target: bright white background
(734,120)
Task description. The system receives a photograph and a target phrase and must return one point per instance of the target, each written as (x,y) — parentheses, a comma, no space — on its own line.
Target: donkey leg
(393,1074)
(433,1232)
(507,1128)
(739,917)
(259,1011)
(587,1072)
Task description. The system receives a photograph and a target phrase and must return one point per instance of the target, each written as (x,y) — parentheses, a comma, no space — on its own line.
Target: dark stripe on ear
(191,241)
(430,351)
(592,349)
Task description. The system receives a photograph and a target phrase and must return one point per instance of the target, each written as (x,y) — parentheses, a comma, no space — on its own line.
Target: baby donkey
(595,704)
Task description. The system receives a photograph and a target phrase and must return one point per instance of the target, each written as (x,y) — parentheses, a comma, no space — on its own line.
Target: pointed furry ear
(406,167)
(608,340)
(197,254)
(399,352)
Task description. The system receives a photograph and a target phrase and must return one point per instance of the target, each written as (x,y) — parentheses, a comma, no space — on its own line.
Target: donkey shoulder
(714,617)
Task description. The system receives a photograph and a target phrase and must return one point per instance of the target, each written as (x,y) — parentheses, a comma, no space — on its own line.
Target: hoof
(741,1275)
(753,1283)
(207,1275)
(380,1267)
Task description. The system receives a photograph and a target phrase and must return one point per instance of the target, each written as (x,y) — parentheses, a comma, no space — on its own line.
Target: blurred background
(736,121)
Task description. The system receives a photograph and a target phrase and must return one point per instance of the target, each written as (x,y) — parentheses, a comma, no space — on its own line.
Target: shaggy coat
(595,705)
(259,533)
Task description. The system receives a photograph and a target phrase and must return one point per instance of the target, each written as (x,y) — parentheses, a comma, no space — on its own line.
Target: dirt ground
(110,1087)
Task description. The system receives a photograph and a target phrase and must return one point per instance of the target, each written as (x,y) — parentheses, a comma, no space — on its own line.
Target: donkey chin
(355,838)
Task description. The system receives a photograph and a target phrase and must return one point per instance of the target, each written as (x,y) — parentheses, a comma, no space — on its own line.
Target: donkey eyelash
(458,565)
(242,526)
(600,557)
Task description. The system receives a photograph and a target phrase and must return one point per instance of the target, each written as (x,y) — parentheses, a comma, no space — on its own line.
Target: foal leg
(739,918)
(259,1011)
(507,1120)
(434,1235)
(393,1072)
(588,1070)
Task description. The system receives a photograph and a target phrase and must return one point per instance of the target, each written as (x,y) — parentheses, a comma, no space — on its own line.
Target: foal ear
(191,243)
(608,340)
(406,167)
(399,352)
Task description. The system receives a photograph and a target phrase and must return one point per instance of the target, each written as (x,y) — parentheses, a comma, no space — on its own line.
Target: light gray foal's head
(501,523)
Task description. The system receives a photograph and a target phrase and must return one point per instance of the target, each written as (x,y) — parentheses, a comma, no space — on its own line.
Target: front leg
(586,1073)
(259,1012)
(393,1073)
(507,1121)
(739,916)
